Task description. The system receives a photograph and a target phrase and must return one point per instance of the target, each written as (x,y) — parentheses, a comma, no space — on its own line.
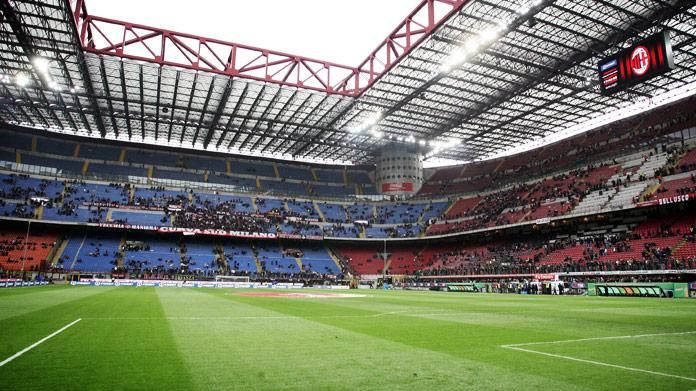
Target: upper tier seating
(74,214)
(92,192)
(329,175)
(100,152)
(245,183)
(461,207)
(56,147)
(134,217)
(265,205)
(16,140)
(333,213)
(64,164)
(178,175)
(252,168)
(115,169)
(154,158)
(359,177)
(282,187)
(203,163)
(295,172)
(331,191)
(401,213)
(302,209)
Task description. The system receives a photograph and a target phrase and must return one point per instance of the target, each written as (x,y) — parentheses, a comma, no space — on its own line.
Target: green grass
(211,339)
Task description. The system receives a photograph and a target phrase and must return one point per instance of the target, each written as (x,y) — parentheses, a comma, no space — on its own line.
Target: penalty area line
(604,364)
(39,342)
(598,339)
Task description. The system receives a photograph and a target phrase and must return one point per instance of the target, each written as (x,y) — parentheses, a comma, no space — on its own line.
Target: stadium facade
(134,151)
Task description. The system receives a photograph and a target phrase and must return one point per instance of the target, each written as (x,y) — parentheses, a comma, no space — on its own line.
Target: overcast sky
(343,31)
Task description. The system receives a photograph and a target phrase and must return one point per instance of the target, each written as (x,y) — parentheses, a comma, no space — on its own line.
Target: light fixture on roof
(54,86)
(373,119)
(454,61)
(22,79)
(472,46)
(40,64)
(489,35)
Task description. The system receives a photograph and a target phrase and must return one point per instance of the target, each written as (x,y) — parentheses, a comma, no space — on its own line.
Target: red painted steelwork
(112,37)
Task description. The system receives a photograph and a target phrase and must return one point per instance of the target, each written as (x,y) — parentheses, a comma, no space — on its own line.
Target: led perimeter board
(644,60)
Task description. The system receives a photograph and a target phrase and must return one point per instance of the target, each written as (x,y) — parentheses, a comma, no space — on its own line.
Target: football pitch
(65,337)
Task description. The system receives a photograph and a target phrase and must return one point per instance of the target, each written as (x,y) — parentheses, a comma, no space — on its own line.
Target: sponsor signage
(396,187)
(20,283)
(331,287)
(119,206)
(303,219)
(209,232)
(668,200)
(304,237)
(545,277)
(646,59)
(185,284)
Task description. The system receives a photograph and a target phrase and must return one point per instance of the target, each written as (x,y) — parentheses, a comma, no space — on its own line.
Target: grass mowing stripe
(39,342)
(403,313)
(301,351)
(599,363)
(166,338)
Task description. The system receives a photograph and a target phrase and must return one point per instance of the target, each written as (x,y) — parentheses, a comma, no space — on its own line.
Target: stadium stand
(100,152)
(19,252)
(589,187)
(92,252)
(116,170)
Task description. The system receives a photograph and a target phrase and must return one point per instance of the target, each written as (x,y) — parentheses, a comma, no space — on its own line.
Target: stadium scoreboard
(646,59)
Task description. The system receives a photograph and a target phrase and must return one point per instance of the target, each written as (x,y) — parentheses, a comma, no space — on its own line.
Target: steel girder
(528,83)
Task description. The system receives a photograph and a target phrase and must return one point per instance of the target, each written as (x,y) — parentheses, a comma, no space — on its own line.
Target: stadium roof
(464,79)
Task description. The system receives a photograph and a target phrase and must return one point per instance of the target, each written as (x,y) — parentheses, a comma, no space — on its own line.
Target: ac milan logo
(640,60)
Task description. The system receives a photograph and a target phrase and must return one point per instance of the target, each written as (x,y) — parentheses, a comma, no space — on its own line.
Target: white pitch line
(37,343)
(597,339)
(264,317)
(601,363)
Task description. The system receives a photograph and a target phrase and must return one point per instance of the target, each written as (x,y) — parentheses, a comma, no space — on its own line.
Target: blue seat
(94,253)
(68,165)
(55,146)
(116,169)
(131,217)
(245,167)
(301,173)
(333,213)
(100,152)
